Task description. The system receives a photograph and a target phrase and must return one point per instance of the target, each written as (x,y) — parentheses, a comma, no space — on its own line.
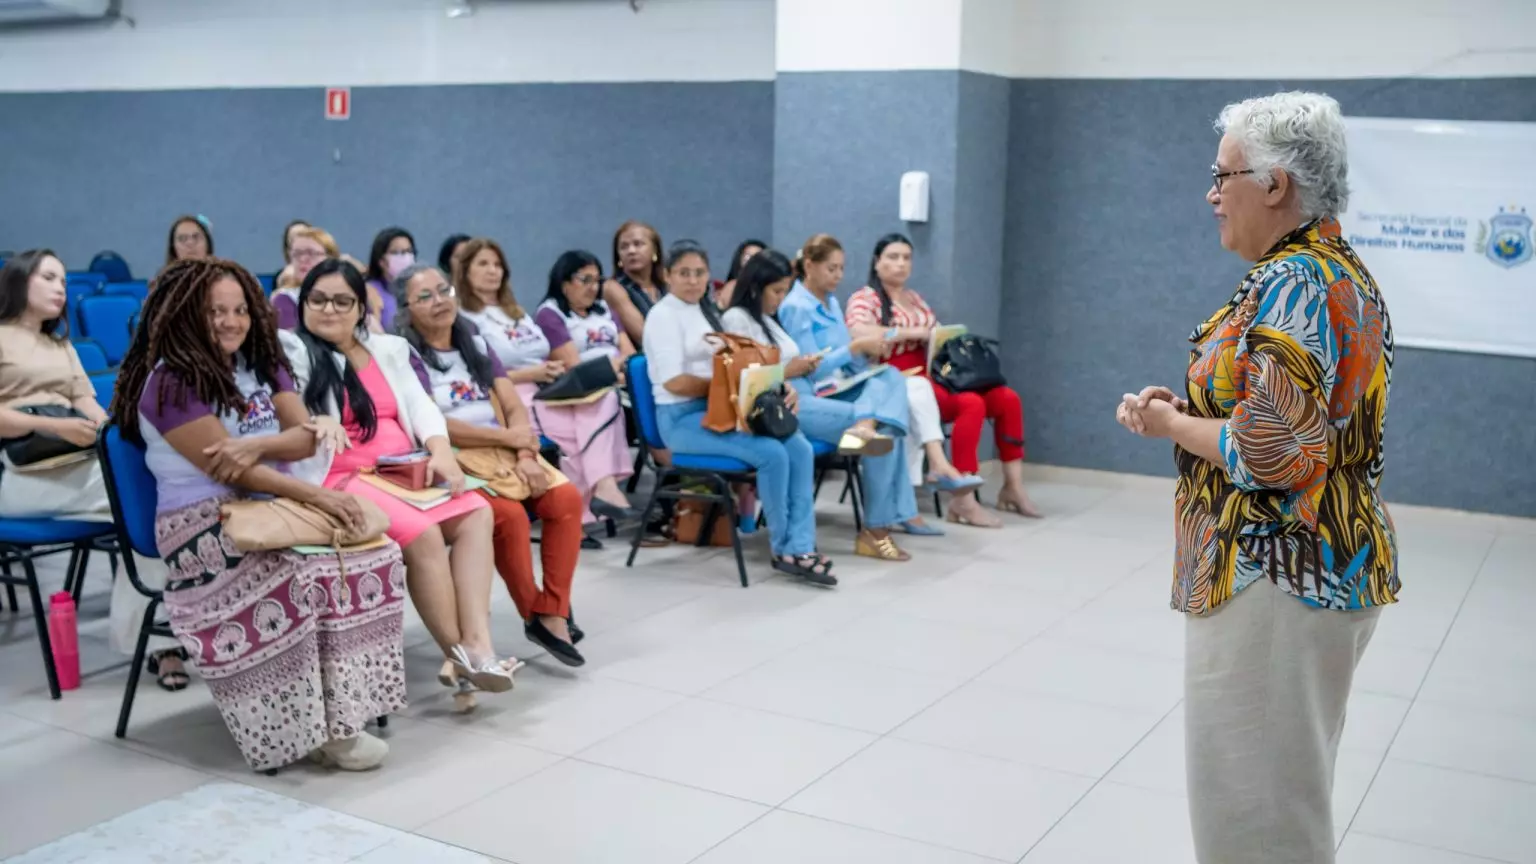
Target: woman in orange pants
(482,408)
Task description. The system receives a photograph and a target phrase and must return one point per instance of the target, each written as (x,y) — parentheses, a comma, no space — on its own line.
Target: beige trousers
(1266,682)
(925,425)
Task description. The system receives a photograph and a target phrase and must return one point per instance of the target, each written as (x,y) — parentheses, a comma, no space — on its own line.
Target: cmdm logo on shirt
(259,415)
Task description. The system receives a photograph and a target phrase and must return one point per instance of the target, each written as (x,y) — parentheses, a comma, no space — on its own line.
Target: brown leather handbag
(732,354)
(688,524)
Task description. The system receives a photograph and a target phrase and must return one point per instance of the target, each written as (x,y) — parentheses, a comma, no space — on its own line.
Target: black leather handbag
(36,447)
(968,364)
(580,381)
(771,417)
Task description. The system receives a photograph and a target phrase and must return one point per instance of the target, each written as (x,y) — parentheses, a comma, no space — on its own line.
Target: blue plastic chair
(92,357)
(77,287)
(135,288)
(715,472)
(111,265)
(105,383)
(96,281)
(24,540)
(131,491)
(108,319)
(268,283)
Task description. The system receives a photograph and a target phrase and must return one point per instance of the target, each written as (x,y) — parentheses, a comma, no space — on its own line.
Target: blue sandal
(919,529)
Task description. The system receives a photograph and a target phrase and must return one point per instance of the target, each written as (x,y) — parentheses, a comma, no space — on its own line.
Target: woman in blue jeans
(681,365)
(868,419)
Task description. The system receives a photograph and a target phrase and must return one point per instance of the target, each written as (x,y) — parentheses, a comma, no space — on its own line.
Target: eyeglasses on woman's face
(1218,175)
(431,295)
(342,303)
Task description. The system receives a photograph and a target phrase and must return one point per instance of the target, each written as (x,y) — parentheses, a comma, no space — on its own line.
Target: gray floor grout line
(1097,783)
(1420,689)
(1436,848)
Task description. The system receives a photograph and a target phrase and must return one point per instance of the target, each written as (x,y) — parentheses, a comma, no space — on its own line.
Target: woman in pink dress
(366,381)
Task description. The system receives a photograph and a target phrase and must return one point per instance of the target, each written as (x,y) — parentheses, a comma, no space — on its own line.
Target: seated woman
(860,420)
(681,366)
(394,249)
(366,381)
(639,280)
(723,291)
(307,246)
(814,317)
(189,238)
(447,252)
(887,308)
(482,407)
(299,651)
(40,374)
(591,436)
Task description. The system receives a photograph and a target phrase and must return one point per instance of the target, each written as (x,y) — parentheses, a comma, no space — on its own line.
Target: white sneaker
(359,753)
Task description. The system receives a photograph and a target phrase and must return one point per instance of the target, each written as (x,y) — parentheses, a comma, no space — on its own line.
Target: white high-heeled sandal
(491,675)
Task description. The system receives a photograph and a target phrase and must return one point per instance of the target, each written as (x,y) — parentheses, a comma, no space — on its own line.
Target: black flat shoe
(577,634)
(613,512)
(591,543)
(169,680)
(558,648)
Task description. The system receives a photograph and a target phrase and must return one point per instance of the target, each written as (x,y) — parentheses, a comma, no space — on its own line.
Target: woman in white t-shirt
(590,436)
(681,362)
(868,420)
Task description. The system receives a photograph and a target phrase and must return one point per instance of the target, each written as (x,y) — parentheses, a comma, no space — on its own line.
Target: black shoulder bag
(968,364)
(770,416)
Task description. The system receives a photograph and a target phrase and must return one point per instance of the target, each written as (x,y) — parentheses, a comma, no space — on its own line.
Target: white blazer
(419,414)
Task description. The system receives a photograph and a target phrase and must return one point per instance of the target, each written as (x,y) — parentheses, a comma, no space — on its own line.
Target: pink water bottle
(65,639)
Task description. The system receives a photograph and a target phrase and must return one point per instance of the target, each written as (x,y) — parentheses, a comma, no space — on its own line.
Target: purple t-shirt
(178,482)
(286,304)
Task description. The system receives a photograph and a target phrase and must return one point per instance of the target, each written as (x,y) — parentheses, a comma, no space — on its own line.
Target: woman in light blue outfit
(681,361)
(867,419)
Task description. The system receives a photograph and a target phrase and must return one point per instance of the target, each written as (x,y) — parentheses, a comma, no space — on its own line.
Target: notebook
(842,383)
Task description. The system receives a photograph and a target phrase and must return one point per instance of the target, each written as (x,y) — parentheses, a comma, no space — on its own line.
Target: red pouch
(408,471)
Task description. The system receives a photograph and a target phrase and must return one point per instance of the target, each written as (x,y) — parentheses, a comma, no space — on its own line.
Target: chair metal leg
(851,465)
(140,648)
(730,509)
(383,721)
(84,558)
(10,590)
(634,475)
(70,569)
(821,475)
(645,517)
(41,615)
(611,529)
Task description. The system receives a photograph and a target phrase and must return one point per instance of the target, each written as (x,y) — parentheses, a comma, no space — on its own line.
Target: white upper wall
(1298,39)
(864,35)
(190,44)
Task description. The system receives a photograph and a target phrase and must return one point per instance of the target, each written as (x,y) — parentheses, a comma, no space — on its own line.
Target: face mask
(396,262)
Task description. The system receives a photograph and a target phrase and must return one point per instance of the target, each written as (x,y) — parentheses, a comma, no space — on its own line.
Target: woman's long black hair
(676,253)
(765,268)
(874,275)
(445,252)
(15,284)
(325,381)
(565,269)
(736,265)
(462,339)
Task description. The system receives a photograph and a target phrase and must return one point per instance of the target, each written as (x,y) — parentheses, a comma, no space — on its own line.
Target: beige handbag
(497,466)
(282,523)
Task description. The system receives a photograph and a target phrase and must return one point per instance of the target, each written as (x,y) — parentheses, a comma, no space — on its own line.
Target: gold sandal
(883,548)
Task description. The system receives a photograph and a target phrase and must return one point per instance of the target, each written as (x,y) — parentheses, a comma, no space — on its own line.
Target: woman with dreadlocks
(299,651)
(366,381)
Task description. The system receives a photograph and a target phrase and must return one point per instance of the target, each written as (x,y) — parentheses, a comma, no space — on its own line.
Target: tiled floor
(1007,696)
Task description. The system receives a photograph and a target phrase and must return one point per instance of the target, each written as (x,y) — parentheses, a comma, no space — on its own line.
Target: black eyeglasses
(1218,175)
(342,303)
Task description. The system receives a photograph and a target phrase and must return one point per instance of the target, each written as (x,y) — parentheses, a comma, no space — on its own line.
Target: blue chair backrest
(77,287)
(105,383)
(92,357)
(643,401)
(131,490)
(111,265)
(135,288)
(267,283)
(107,318)
(94,280)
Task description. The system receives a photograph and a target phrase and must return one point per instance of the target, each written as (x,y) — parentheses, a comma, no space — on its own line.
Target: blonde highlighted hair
(817,249)
(468,299)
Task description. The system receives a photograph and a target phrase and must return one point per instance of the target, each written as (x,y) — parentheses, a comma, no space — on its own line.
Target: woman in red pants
(887,308)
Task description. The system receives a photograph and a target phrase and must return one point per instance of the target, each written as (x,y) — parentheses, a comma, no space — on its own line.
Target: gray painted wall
(1112,259)
(541,168)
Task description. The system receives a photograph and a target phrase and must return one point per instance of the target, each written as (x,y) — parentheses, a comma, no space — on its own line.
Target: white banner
(1441,213)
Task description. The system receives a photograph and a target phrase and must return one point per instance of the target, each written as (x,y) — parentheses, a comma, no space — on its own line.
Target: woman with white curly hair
(1286,553)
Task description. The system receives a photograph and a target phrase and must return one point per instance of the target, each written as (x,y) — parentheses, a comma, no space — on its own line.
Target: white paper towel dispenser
(914,196)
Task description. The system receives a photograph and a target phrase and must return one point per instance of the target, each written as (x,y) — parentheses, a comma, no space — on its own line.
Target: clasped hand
(1151,412)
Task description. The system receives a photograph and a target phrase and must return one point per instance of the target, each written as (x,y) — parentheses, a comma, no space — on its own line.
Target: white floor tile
(1393,670)
(1103,623)
(783,837)
(1115,824)
(412,849)
(903,642)
(973,803)
(1157,762)
(1451,810)
(836,690)
(1482,742)
(1364,849)
(1054,666)
(576,813)
(734,751)
(1037,730)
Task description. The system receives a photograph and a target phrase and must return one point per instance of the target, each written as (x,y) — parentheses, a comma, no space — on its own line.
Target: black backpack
(968,364)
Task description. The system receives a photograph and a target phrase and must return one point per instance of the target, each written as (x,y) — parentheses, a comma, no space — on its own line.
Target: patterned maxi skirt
(297,649)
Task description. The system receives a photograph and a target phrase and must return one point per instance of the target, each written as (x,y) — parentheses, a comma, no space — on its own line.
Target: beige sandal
(1008,505)
(855,443)
(983,519)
